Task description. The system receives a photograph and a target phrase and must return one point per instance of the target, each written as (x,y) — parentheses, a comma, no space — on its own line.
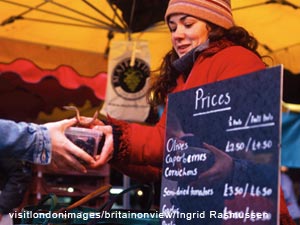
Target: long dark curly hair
(165,82)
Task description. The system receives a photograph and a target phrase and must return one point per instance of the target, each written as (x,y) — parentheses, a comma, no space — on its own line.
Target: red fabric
(27,90)
(285,217)
(67,76)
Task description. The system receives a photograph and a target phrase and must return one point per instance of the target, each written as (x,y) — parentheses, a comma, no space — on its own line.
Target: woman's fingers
(107,149)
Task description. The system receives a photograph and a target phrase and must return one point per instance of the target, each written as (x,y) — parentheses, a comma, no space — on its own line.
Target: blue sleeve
(26,141)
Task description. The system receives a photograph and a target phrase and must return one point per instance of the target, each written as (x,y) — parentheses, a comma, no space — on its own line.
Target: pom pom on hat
(214,11)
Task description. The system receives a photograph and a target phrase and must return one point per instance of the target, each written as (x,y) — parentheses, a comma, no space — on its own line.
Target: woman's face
(187,32)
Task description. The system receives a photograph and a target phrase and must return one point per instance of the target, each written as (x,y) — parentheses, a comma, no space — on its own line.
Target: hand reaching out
(65,154)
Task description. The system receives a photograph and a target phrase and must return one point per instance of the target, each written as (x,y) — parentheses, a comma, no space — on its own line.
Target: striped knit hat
(214,11)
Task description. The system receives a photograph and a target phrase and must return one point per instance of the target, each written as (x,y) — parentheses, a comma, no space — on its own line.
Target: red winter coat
(141,147)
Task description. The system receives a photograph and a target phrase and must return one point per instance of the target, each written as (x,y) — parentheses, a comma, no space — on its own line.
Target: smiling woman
(187,32)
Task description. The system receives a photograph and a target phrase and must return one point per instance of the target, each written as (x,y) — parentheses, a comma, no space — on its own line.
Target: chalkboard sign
(221,158)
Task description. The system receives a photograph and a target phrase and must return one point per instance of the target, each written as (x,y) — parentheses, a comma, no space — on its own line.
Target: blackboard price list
(250,145)
(252,190)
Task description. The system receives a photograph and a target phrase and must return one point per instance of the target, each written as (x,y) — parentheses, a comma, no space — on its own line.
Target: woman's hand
(108,147)
(88,122)
(65,154)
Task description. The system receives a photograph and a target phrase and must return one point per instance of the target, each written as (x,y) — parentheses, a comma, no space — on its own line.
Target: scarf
(185,64)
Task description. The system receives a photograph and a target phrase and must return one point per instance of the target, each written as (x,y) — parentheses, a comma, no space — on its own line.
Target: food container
(85,138)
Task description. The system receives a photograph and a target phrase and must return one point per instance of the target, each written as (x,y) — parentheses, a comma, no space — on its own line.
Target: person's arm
(65,154)
(133,149)
(26,141)
(132,143)
(42,144)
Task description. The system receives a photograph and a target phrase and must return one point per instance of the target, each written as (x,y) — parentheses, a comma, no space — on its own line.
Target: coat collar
(185,64)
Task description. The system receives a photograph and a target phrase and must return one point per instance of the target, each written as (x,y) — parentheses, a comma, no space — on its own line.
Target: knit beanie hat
(215,11)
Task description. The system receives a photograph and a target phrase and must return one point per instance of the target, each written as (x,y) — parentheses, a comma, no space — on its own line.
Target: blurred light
(140,193)
(70,189)
(115,190)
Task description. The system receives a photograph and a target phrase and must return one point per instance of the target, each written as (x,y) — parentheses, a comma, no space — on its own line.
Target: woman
(207,47)
(201,38)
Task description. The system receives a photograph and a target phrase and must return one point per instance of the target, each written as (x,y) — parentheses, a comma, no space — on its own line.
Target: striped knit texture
(214,11)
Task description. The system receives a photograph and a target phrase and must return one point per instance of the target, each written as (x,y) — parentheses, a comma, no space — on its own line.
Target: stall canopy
(72,39)
(275,24)
(49,36)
